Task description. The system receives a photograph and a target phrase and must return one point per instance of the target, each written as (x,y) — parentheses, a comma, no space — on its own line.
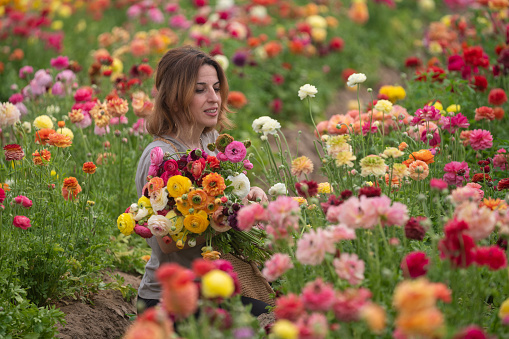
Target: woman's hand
(256,193)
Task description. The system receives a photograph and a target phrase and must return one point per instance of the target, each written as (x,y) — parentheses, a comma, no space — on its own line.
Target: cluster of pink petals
(477,187)
(451,124)
(318,296)
(156,158)
(24,201)
(464,194)
(349,303)
(350,268)
(427,113)
(22,222)
(313,245)
(456,173)
(368,212)
(481,220)
(500,159)
(313,326)
(235,151)
(247,216)
(283,214)
(480,139)
(341,232)
(276,266)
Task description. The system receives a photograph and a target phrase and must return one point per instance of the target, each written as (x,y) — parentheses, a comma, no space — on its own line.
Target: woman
(191,104)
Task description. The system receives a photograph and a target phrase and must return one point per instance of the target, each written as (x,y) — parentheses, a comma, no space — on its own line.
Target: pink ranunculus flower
(58,89)
(481,220)
(284,212)
(60,62)
(341,232)
(156,156)
(24,201)
(313,326)
(480,139)
(500,161)
(465,193)
(221,156)
(451,124)
(247,164)
(25,70)
(101,130)
(235,151)
(350,268)
(155,15)
(348,303)
(249,215)
(276,266)
(438,184)
(478,189)
(456,173)
(21,221)
(318,296)
(313,245)
(2,195)
(87,121)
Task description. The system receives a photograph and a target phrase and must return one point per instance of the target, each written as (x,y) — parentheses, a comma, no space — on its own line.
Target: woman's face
(206,101)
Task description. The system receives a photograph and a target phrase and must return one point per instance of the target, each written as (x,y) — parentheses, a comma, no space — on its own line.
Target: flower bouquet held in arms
(193,194)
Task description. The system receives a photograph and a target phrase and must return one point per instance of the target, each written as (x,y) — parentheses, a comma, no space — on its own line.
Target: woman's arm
(172,246)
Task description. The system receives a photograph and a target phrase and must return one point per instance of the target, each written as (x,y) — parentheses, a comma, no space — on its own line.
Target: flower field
(395,225)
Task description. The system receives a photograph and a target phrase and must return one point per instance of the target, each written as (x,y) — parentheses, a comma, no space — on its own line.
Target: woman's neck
(188,139)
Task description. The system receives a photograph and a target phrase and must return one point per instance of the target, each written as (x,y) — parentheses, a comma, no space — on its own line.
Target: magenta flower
(21,221)
(276,266)
(25,70)
(247,164)
(367,127)
(2,195)
(480,139)
(143,231)
(16,98)
(156,156)
(58,89)
(414,264)
(221,157)
(451,124)
(83,94)
(350,268)
(427,113)
(155,15)
(24,201)
(456,173)
(60,62)
(435,140)
(439,184)
(235,151)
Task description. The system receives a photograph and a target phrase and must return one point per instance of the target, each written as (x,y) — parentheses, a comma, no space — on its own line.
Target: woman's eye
(199,90)
(217,89)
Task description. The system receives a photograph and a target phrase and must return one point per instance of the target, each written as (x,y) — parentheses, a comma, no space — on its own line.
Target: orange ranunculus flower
(89,167)
(273,48)
(76,115)
(403,146)
(59,140)
(198,199)
(237,99)
(211,255)
(42,135)
(180,292)
(41,157)
(358,12)
(61,124)
(213,184)
(196,222)
(70,188)
(117,107)
(155,184)
(423,155)
(494,204)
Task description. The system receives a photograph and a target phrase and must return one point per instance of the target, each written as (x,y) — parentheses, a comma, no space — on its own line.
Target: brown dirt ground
(107,317)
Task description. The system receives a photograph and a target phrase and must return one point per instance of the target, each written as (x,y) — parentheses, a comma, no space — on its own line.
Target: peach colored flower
(59,140)
(117,107)
(418,170)
(42,135)
(41,157)
(302,165)
(481,220)
(70,188)
(89,167)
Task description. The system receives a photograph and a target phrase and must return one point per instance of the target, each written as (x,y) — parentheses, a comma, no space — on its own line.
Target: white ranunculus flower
(222,5)
(159,199)
(241,185)
(158,225)
(307,91)
(278,189)
(258,123)
(355,79)
(9,114)
(270,127)
(27,126)
(384,106)
(222,60)
(142,213)
(259,12)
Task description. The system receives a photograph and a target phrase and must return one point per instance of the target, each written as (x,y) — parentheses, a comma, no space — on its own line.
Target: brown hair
(176,76)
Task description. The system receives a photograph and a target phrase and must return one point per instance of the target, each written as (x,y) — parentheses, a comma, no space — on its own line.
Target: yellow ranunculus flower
(503,312)
(176,221)
(196,222)
(284,329)
(43,121)
(125,223)
(144,202)
(178,185)
(324,187)
(217,283)
(57,25)
(183,205)
(453,108)
(316,21)
(66,131)
(318,34)
(117,66)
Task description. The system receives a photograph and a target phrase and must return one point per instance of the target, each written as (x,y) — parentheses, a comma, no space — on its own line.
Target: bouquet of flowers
(192,194)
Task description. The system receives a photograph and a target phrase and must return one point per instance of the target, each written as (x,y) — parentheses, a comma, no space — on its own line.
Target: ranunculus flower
(350,268)
(158,225)
(480,139)
(414,264)
(235,151)
(241,185)
(13,152)
(24,201)
(21,221)
(43,121)
(125,223)
(9,114)
(307,91)
(355,79)
(217,284)
(276,266)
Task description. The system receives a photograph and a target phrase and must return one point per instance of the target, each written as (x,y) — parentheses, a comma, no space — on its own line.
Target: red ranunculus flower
(414,264)
(497,97)
(307,188)
(492,256)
